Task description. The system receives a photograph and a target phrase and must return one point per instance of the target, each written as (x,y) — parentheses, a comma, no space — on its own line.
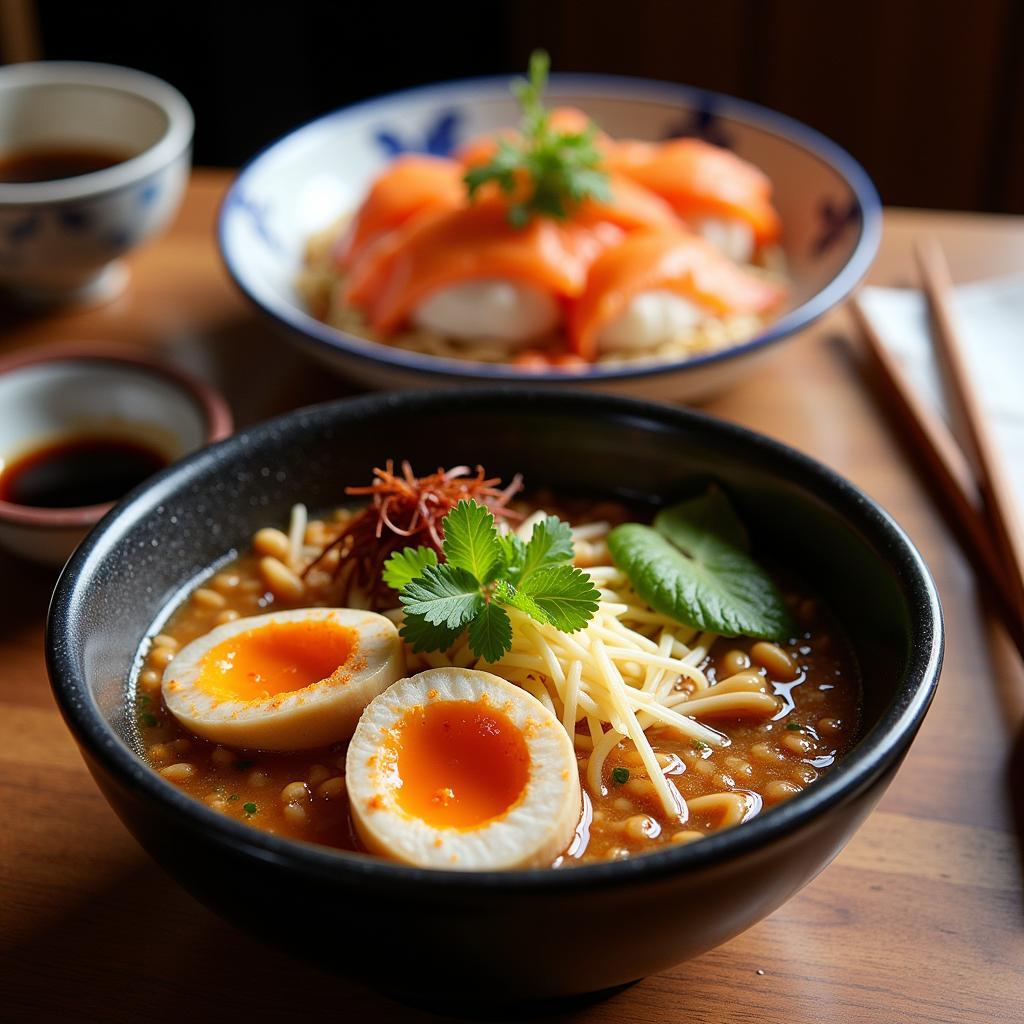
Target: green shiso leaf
(691,566)
(690,524)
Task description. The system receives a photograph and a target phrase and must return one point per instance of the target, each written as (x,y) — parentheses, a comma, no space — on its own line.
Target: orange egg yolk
(460,764)
(276,658)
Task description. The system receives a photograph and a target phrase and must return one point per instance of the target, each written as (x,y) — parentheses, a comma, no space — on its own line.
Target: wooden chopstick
(947,469)
(970,422)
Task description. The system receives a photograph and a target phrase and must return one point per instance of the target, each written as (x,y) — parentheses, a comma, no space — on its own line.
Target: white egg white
(531,832)
(324,711)
(650,319)
(497,310)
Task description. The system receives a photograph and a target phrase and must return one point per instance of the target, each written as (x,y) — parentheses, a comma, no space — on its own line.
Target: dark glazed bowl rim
(875,753)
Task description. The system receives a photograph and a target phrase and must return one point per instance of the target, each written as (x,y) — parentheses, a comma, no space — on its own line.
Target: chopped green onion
(249,808)
(701,747)
(148,720)
(620,775)
(794,727)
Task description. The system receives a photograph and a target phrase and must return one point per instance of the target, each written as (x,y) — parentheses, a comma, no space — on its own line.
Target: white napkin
(991,314)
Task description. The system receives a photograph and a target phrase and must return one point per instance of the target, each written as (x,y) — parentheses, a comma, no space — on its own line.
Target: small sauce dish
(80,426)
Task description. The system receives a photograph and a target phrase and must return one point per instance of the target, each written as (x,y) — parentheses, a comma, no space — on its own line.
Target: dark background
(928,94)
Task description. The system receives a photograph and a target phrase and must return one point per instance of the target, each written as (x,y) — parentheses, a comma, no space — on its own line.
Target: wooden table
(918,920)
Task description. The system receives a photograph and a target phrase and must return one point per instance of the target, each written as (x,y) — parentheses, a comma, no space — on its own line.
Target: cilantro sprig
(559,168)
(483,573)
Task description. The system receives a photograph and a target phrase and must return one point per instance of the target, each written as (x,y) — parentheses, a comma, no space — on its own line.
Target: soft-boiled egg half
(456,768)
(284,681)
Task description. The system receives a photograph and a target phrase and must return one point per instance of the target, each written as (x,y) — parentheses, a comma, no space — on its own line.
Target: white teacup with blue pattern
(61,239)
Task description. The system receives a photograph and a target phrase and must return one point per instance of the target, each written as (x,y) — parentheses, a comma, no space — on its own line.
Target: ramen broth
(302,795)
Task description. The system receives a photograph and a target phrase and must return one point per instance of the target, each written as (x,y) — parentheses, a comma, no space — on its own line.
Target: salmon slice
(631,207)
(504,249)
(438,249)
(370,269)
(700,180)
(681,263)
(411,184)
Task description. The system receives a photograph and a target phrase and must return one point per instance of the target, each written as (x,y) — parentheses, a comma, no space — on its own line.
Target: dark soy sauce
(78,471)
(55,163)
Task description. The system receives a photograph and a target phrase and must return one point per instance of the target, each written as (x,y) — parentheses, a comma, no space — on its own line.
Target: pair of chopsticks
(962,464)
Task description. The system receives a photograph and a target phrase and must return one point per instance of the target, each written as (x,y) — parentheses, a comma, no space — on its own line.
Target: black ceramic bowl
(524,934)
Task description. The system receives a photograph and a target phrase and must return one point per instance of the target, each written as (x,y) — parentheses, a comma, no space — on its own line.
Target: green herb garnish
(234,796)
(794,727)
(148,719)
(249,808)
(405,565)
(692,565)
(484,571)
(620,775)
(548,172)
(701,747)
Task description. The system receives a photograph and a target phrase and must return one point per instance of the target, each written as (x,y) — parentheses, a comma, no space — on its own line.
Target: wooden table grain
(919,920)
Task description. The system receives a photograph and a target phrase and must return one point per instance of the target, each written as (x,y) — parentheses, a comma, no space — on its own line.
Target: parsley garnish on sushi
(545,170)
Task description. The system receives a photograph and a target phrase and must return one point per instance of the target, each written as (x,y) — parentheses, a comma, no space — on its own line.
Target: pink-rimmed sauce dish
(80,426)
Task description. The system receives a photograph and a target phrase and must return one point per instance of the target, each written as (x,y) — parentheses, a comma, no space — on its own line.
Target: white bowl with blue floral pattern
(300,184)
(62,239)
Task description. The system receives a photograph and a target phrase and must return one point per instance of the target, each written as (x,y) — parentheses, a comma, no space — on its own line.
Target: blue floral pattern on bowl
(701,122)
(259,215)
(438,140)
(835,219)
